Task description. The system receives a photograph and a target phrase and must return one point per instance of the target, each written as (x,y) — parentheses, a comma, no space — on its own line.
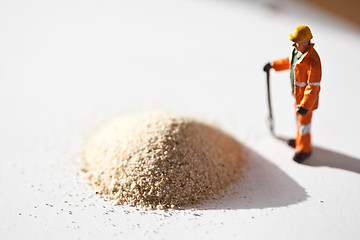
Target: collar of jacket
(306,53)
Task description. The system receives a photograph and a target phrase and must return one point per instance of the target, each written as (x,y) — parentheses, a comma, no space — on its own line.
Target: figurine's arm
(312,90)
(280,64)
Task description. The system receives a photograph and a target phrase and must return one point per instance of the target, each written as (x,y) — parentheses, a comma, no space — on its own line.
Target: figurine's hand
(267,67)
(302,111)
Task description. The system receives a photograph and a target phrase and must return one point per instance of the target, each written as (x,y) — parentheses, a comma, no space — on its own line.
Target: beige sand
(160,160)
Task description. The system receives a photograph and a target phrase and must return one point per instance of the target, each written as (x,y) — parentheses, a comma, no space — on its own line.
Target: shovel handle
(270,117)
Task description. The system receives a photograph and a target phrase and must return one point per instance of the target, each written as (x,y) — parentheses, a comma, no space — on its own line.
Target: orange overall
(307,87)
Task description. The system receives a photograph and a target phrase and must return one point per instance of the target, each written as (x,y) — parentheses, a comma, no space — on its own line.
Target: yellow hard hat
(300,34)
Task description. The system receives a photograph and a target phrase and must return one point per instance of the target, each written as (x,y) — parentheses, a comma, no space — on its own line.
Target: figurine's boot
(303,138)
(299,157)
(291,143)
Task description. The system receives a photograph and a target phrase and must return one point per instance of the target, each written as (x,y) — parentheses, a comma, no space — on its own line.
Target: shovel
(270,117)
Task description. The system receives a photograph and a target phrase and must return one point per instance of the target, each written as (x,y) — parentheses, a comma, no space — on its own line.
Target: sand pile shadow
(262,185)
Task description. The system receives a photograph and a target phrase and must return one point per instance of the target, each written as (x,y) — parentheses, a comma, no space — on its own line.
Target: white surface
(66,66)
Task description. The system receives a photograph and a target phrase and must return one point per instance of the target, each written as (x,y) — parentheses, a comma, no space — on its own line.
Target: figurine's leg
(303,138)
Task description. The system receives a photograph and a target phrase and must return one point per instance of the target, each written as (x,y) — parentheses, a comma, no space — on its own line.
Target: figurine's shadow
(326,158)
(261,185)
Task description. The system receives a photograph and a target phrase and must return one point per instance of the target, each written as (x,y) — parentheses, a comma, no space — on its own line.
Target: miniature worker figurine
(305,76)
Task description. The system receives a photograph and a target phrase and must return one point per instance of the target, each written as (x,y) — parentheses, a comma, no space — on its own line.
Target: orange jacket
(307,77)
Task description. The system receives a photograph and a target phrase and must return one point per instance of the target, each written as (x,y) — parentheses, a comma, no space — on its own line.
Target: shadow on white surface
(262,185)
(326,158)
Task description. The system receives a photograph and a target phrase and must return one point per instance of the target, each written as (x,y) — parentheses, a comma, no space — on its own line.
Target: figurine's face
(301,46)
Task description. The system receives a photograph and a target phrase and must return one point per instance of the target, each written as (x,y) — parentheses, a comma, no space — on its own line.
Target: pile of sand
(160,160)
